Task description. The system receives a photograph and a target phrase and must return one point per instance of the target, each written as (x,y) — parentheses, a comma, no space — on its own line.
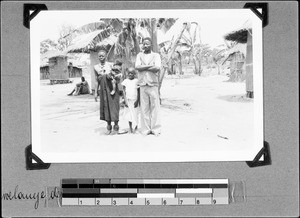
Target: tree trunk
(180,65)
(154,34)
(195,66)
(200,67)
(172,52)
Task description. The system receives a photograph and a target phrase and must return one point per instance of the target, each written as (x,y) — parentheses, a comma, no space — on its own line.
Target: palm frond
(92,41)
(90,27)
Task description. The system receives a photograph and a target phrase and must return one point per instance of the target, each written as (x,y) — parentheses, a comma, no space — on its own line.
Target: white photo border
(206,155)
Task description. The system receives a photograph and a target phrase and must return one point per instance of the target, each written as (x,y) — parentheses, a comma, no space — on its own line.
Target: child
(132,99)
(115,74)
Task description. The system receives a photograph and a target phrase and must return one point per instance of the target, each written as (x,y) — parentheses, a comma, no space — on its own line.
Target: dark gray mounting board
(271,190)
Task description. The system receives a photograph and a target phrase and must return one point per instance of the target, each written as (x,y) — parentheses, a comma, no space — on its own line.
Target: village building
(91,43)
(56,67)
(244,36)
(235,61)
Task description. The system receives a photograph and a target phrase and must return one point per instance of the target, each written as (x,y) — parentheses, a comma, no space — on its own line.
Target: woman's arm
(96,84)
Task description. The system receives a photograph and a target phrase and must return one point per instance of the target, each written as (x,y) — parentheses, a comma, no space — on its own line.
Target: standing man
(148,64)
(100,69)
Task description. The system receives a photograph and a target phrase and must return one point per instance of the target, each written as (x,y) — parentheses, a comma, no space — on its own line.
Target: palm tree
(217,56)
(128,33)
(171,51)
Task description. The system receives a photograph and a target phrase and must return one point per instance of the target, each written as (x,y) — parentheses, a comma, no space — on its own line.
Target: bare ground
(198,113)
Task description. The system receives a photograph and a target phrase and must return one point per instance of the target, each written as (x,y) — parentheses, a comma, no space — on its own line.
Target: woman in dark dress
(110,102)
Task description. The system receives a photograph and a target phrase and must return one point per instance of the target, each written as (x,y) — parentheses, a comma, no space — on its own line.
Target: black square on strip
(118,195)
(101,185)
(168,185)
(86,186)
(201,186)
(136,185)
(185,185)
(218,185)
(152,185)
(81,195)
(118,185)
(69,186)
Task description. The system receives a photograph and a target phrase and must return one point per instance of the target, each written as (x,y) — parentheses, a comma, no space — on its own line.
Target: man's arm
(138,64)
(143,67)
(154,69)
(157,64)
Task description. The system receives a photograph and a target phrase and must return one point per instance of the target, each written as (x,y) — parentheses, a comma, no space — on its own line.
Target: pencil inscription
(37,196)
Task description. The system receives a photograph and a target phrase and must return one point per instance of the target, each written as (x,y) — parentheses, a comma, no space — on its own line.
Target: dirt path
(198,113)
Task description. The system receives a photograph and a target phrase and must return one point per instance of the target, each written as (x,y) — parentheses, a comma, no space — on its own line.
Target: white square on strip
(119,201)
(168,181)
(220,196)
(86,201)
(153,201)
(210,181)
(69,201)
(187,201)
(193,190)
(103,201)
(203,200)
(155,195)
(220,200)
(170,201)
(137,201)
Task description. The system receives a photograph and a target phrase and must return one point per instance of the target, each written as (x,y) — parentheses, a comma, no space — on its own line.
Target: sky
(214,23)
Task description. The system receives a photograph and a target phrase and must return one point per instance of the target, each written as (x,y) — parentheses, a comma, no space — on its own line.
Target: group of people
(141,95)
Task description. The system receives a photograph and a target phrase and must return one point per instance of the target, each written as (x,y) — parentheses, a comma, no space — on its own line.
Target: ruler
(115,192)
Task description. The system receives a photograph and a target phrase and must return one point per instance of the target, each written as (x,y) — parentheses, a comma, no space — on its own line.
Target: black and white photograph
(149,109)
(146,85)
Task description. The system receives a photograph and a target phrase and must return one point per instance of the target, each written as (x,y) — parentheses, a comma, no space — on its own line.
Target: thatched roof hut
(53,53)
(73,70)
(91,43)
(55,66)
(244,36)
(240,35)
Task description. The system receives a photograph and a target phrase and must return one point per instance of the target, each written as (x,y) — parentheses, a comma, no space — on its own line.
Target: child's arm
(137,102)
